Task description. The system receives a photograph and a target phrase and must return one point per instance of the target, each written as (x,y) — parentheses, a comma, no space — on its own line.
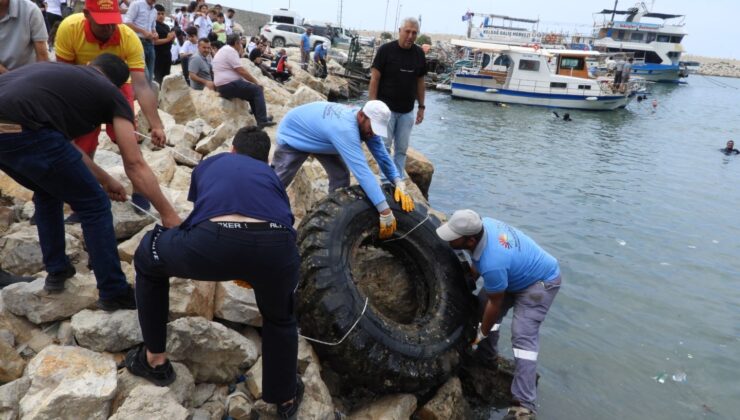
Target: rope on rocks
(409,232)
(148,213)
(173,149)
(345,335)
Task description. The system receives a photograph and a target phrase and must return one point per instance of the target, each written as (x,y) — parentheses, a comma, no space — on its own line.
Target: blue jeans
(45,162)
(149,57)
(399,133)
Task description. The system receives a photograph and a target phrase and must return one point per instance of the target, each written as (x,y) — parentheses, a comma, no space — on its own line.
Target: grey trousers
(288,160)
(530,307)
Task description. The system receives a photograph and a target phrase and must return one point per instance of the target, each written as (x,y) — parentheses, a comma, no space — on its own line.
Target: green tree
(386,35)
(423,39)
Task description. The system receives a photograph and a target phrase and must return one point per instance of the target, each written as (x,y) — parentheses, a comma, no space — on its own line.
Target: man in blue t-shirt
(333,134)
(516,273)
(319,59)
(241,227)
(306,48)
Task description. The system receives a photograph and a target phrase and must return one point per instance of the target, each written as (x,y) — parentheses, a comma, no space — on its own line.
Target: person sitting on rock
(241,227)
(41,109)
(730,149)
(199,67)
(233,81)
(517,274)
(282,72)
(333,134)
(262,63)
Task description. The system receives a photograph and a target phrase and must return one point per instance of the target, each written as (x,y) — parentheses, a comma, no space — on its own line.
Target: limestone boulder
(223,132)
(181,180)
(10,188)
(127,249)
(186,156)
(7,218)
(174,98)
(191,298)
(240,407)
(338,87)
(391,407)
(179,135)
(181,390)
(305,78)
(212,352)
(151,402)
(143,126)
(10,395)
(216,110)
(309,186)
(107,159)
(203,393)
(200,128)
(237,304)
(420,170)
(305,95)
(317,402)
(162,163)
(127,222)
(276,95)
(69,382)
(12,364)
(28,338)
(20,252)
(7,337)
(448,403)
(33,302)
(107,331)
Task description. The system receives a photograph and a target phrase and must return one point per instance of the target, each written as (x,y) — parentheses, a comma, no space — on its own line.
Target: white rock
(186,156)
(20,252)
(33,302)
(237,304)
(107,331)
(203,393)
(12,364)
(151,402)
(10,395)
(181,180)
(182,389)
(391,407)
(212,352)
(305,95)
(163,165)
(200,128)
(69,382)
(217,110)
(191,298)
(254,379)
(223,132)
(126,221)
(127,249)
(10,188)
(174,98)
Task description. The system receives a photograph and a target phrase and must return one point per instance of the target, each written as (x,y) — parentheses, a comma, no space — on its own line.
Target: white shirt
(204,26)
(141,15)
(54,7)
(229,25)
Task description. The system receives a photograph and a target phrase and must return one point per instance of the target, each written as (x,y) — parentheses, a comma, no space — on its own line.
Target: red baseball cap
(104,12)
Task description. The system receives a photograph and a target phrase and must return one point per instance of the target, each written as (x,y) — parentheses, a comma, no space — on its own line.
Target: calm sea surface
(643,212)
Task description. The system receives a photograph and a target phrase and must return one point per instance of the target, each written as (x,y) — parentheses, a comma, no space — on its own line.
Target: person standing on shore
(162,46)
(397,78)
(141,17)
(306,48)
(333,134)
(517,274)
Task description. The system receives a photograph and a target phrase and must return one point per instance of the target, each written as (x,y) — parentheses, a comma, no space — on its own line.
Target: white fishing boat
(653,39)
(507,30)
(537,76)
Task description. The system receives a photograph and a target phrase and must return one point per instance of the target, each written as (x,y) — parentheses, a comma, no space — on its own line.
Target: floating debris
(690,356)
(692,246)
(621,242)
(661,378)
(665,263)
(679,377)
(714,241)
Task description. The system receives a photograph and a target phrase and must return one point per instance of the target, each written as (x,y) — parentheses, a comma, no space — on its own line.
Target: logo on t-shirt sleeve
(503,240)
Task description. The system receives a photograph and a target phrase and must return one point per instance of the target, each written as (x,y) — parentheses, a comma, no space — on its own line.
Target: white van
(286,16)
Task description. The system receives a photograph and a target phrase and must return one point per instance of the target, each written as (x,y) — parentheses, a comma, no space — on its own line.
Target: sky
(712,25)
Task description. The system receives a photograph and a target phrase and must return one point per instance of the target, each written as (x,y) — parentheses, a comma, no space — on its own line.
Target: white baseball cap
(462,223)
(379,115)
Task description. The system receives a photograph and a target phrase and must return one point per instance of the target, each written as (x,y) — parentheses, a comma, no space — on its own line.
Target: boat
(538,76)
(655,45)
(507,30)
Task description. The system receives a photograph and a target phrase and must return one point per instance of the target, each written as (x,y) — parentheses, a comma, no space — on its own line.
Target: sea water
(643,213)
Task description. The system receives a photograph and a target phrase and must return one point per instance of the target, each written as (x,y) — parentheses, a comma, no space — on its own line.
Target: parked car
(283,34)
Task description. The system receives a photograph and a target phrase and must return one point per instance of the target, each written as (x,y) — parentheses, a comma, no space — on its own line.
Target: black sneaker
(124,301)
(55,281)
(290,411)
(136,363)
(263,124)
(6,279)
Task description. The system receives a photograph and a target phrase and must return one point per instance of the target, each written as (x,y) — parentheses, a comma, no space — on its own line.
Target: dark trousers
(45,162)
(241,89)
(288,160)
(185,71)
(148,58)
(268,259)
(162,66)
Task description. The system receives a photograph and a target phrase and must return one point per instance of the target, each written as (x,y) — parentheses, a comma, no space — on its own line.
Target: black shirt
(729,152)
(163,30)
(255,54)
(399,71)
(71,99)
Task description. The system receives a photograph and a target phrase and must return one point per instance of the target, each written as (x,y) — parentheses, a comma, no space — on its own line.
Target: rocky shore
(723,67)
(61,358)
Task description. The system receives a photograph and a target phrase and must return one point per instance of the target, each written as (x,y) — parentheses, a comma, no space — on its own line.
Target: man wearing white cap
(333,134)
(517,274)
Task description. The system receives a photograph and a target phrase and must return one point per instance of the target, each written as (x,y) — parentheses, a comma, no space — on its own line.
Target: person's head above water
(730,144)
(566,117)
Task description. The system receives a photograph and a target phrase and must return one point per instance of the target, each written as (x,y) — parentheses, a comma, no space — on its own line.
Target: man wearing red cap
(99,29)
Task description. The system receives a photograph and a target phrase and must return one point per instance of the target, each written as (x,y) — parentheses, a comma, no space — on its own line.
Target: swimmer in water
(730,149)
(566,117)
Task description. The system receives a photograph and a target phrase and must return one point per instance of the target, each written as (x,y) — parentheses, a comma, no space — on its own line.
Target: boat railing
(543,86)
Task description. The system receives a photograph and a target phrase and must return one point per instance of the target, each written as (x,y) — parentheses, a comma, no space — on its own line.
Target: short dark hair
(212,36)
(230,11)
(159,7)
(191,30)
(206,40)
(232,39)
(253,142)
(217,44)
(115,69)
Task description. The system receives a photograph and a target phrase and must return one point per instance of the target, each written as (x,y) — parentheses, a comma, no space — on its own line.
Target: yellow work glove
(401,196)
(243,283)
(479,337)
(387,225)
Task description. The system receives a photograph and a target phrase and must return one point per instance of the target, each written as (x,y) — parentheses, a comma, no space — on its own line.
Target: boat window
(651,57)
(664,38)
(502,60)
(558,85)
(636,36)
(651,37)
(485,61)
(676,39)
(571,63)
(584,87)
(529,65)
(674,54)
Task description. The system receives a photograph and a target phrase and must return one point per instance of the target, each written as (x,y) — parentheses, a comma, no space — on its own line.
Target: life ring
(536,47)
(340,258)
(551,38)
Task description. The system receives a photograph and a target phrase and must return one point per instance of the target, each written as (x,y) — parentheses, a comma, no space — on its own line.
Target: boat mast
(614,11)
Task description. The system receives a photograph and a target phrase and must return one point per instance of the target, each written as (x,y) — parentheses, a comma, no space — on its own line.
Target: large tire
(278,42)
(381,354)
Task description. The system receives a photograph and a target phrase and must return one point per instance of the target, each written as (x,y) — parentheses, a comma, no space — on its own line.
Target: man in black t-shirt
(162,46)
(397,78)
(42,109)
